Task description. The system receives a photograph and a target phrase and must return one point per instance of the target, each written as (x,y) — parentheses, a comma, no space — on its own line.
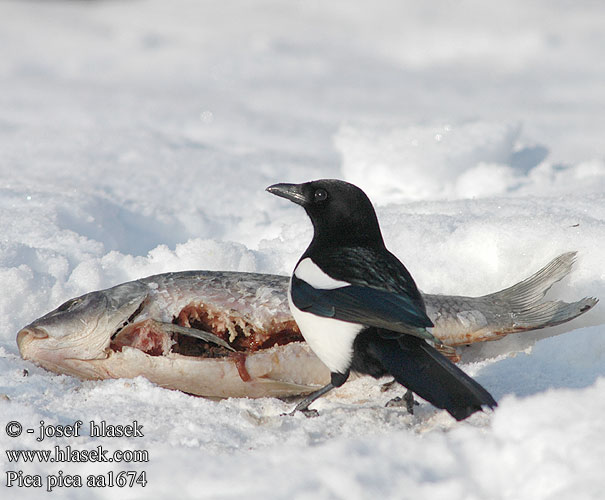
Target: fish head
(115,333)
(81,328)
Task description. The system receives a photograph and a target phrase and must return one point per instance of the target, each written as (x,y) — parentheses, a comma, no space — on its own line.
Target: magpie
(358,307)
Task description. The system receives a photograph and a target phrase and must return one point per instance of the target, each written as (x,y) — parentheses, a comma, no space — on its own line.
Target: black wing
(363,305)
(371,267)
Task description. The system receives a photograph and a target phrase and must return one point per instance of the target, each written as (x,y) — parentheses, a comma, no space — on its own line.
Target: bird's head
(341,213)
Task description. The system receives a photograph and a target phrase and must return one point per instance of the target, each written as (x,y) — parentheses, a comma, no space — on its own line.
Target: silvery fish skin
(145,327)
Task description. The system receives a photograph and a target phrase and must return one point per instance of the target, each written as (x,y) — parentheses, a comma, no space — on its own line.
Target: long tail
(523,299)
(419,367)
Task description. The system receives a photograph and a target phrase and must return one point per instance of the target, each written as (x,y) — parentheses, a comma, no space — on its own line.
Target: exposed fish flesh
(230,334)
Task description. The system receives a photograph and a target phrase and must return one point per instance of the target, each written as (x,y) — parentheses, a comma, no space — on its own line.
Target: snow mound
(470,160)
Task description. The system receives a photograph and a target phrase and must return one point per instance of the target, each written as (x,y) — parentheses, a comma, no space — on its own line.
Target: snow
(138,137)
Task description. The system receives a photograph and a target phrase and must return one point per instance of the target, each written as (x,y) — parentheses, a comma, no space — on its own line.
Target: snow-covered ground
(137,137)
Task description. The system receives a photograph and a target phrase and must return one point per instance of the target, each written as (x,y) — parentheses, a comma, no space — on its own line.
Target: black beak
(292,192)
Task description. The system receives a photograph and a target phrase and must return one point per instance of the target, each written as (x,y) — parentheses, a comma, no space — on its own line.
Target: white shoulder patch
(308,271)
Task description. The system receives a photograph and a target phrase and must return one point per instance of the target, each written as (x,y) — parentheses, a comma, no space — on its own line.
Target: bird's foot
(407,400)
(396,402)
(309,413)
(303,406)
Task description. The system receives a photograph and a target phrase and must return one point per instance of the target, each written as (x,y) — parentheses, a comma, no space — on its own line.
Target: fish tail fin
(420,368)
(524,298)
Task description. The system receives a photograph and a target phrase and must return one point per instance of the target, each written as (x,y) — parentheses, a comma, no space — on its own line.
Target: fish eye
(320,195)
(67,305)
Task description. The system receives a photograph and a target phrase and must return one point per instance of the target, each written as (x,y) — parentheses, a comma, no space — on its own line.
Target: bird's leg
(410,402)
(303,406)
(407,399)
(337,380)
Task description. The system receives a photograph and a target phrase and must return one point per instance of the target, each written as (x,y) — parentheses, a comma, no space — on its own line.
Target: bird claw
(394,403)
(407,400)
(307,413)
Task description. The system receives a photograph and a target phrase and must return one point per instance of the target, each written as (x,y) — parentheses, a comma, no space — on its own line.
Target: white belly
(330,339)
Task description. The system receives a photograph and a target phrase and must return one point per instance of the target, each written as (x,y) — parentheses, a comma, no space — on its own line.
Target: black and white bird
(358,307)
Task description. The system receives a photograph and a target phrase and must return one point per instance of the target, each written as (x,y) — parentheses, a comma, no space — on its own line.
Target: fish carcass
(230,334)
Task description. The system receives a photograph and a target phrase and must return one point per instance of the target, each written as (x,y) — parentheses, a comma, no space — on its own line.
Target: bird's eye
(320,195)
